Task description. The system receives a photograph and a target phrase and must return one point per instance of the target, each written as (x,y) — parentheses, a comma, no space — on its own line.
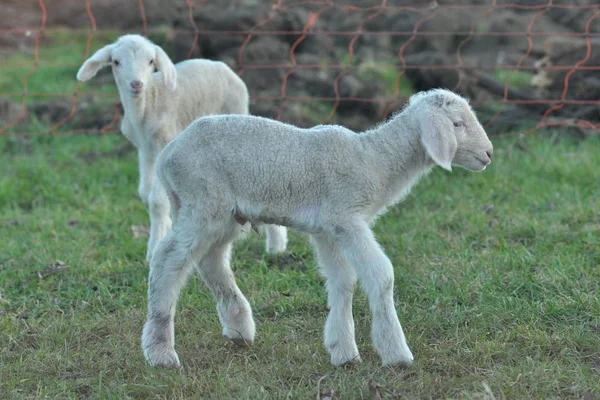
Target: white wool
(328,182)
(160,105)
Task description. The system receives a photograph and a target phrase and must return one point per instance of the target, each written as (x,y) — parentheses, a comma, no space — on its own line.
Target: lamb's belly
(305,219)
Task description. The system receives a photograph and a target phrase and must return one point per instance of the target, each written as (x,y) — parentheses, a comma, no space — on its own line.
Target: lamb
(326,181)
(160,105)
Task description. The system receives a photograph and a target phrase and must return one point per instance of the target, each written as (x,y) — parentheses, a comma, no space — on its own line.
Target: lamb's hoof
(343,361)
(240,329)
(238,339)
(158,351)
(342,354)
(239,342)
(403,358)
(164,358)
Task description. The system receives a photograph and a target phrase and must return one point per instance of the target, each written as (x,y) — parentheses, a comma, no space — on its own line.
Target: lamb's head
(133,59)
(450,131)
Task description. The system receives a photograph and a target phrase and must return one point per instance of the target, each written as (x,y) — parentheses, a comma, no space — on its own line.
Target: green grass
(497,278)
(513,78)
(51,75)
(54,79)
(389,74)
(316,111)
(386,72)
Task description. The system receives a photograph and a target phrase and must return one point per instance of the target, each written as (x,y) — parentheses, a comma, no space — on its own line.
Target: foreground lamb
(227,171)
(158,106)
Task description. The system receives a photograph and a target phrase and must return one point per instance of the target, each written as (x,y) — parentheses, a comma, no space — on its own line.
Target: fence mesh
(526,65)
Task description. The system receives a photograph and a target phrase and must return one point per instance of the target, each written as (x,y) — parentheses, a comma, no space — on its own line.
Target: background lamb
(329,182)
(160,105)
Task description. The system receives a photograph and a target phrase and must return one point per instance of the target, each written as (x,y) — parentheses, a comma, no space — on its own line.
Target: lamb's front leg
(341,279)
(276,238)
(376,278)
(154,197)
(146,160)
(160,218)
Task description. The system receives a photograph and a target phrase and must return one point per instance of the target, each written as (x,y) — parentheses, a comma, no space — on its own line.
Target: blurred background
(525,65)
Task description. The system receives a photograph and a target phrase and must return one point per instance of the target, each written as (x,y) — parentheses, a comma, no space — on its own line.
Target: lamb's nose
(489,154)
(136,84)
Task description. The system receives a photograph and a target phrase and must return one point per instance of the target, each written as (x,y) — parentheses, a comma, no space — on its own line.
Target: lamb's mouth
(483,162)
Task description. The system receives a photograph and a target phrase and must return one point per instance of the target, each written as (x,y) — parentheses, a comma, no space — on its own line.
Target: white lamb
(159,105)
(329,182)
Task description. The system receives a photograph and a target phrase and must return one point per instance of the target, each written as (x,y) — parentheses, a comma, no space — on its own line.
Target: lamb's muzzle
(326,181)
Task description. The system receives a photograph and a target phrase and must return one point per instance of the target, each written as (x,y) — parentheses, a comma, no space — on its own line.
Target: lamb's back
(267,157)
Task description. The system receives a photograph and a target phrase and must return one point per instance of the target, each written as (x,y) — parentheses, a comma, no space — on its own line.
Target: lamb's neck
(398,153)
(139,108)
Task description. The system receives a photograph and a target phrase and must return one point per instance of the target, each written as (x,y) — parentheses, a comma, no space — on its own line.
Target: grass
(497,279)
(316,111)
(513,78)
(386,72)
(389,74)
(60,56)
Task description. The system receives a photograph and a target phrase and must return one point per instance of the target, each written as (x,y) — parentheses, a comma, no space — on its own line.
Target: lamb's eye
(151,62)
(459,123)
(116,62)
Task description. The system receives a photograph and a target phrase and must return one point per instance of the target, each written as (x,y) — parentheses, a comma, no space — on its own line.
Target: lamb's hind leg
(341,279)
(234,310)
(173,259)
(376,278)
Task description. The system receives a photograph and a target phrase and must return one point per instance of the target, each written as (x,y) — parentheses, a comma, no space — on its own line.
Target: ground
(496,285)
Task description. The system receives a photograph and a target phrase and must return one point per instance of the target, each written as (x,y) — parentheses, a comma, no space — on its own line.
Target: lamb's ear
(93,64)
(437,136)
(165,65)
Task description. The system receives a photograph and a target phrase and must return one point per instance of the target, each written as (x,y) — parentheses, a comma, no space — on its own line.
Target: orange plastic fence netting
(538,56)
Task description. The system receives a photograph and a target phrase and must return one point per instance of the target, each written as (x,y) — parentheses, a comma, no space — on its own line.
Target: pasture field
(497,280)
